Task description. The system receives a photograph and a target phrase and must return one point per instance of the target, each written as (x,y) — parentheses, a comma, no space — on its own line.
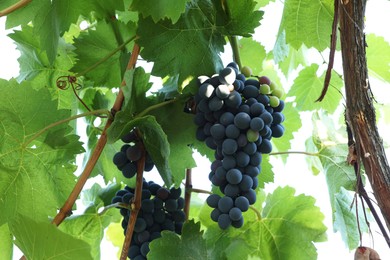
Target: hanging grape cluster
(126,159)
(161,209)
(237,117)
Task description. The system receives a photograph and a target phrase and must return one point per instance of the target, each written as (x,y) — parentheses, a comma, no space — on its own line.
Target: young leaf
(266,174)
(307,22)
(36,171)
(31,235)
(189,47)
(160,10)
(346,219)
(252,54)
(93,46)
(378,57)
(308,86)
(190,245)
(35,67)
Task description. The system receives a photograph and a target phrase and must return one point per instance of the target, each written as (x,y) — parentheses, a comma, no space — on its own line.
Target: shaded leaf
(94,46)
(159,10)
(31,235)
(190,245)
(189,48)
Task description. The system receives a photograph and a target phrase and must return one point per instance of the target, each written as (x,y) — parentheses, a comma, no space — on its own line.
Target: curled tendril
(63,83)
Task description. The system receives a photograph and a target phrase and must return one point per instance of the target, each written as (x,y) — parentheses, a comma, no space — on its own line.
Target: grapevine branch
(135,205)
(67,207)
(14,7)
(187,193)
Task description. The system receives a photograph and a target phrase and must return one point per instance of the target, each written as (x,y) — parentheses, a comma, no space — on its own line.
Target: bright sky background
(295,172)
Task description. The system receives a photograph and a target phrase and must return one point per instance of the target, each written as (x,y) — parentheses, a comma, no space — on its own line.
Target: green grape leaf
(266,174)
(313,162)
(137,84)
(180,130)
(31,235)
(345,218)
(189,48)
(307,22)
(35,67)
(378,57)
(96,56)
(281,49)
(155,141)
(293,60)
(292,123)
(90,228)
(262,3)
(190,245)
(289,226)
(307,88)
(37,170)
(160,10)
(97,196)
(237,17)
(252,54)
(6,245)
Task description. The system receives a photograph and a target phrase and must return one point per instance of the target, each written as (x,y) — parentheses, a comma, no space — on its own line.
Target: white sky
(295,172)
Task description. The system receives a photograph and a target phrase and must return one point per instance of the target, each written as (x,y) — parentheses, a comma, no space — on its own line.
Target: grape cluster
(237,117)
(126,159)
(161,209)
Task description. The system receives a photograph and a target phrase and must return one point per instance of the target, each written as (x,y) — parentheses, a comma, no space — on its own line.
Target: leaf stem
(236,51)
(14,7)
(94,112)
(106,57)
(258,215)
(200,191)
(156,106)
(115,205)
(295,152)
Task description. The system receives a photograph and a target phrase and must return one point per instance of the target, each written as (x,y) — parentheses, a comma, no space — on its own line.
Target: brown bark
(359,102)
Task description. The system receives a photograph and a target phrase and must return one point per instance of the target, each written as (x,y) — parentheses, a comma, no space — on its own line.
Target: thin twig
(187,192)
(89,113)
(333,41)
(67,207)
(258,215)
(295,152)
(14,7)
(136,205)
(200,191)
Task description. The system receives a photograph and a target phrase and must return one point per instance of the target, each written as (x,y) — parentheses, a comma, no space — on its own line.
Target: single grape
(265,146)
(162,193)
(145,249)
(171,205)
(130,137)
(120,159)
(256,124)
(225,204)
(224,221)
(147,205)
(213,200)
(226,118)
(140,225)
(134,251)
(274,101)
(242,159)
(231,190)
(246,183)
(250,91)
(246,71)
(235,214)
(222,91)
(252,135)
(215,104)
(215,213)
(242,120)
(229,146)
(206,90)
(227,76)
(264,80)
(265,89)
(242,203)
(232,131)
(277,118)
(234,176)
(217,131)
(134,153)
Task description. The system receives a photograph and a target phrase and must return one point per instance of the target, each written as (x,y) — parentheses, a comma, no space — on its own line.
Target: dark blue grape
(224,221)
(171,205)
(267,118)
(256,159)
(265,146)
(231,190)
(252,82)
(235,214)
(129,170)
(215,104)
(233,100)
(222,91)
(277,118)
(250,91)
(213,200)
(147,205)
(232,131)
(256,124)
(242,203)
(225,204)
(120,159)
(217,131)
(215,213)
(134,153)
(242,159)
(246,183)
(277,130)
(229,162)
(134,251)
(162,193)
(145,249)
(226,118)
(256,109)
(130,137)
(227,76)
(140,225)
(239,223)
(234,176)
(206,90)
(250,148)
(229,146)
(251,196)
(242,120)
